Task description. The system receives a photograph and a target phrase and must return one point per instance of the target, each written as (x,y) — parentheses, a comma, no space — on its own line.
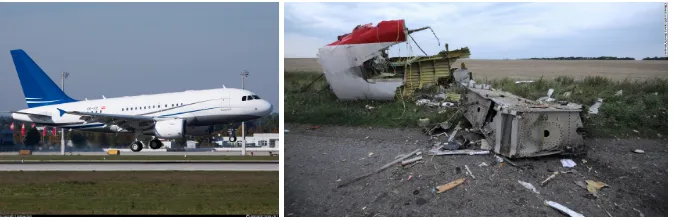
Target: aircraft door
(225,104)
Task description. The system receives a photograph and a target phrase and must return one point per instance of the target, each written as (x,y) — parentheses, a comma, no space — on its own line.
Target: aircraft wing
(123,121)
(31,114)
(102,117)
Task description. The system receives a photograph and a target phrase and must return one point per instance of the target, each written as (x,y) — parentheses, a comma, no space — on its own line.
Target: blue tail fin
(38,88)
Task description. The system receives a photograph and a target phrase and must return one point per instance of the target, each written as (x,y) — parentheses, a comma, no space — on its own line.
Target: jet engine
(199,130)
(170,129)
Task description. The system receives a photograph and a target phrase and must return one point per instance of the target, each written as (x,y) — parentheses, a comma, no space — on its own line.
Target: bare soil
(316,161)
(534,69)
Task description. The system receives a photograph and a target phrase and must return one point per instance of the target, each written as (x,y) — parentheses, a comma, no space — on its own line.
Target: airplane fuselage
(197,108)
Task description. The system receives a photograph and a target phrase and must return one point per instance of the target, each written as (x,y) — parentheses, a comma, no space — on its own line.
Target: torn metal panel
(519,127)
(357,65)
(343,60)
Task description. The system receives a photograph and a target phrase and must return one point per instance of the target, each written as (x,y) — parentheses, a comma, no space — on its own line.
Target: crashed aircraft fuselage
(357,67)
(517,127)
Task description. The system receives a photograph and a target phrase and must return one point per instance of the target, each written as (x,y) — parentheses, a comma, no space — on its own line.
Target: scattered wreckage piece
(529,186)
(398,160)
(568,163)
(357,65)
(468,171)
(517,127)
(594,109)
(563,209)
(549,178)
(458,152)
(412,160)
(449,185)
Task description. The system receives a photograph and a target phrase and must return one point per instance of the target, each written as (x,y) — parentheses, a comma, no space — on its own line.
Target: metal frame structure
(517,127)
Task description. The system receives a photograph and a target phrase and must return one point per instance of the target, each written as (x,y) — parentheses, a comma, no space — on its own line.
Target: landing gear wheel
(136,146)
(155,144)
(232,138)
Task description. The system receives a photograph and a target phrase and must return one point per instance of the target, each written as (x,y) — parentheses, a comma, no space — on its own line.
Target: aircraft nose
(263,108)
(266,108)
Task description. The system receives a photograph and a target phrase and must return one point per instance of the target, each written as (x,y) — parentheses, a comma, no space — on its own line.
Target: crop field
(534,69)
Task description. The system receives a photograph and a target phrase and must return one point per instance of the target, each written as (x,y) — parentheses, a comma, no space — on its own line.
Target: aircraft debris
(468,171)
(358,66)
(619,93)
(484,145)
(380,169)
(547,98)
(412,160)
(483,164)
(449,185)
(528,186)
(563,209)
(568,163)
(458,152)
(594,109)
(639,151)
(549,178)
(423,122)
(517,127)
(594,186)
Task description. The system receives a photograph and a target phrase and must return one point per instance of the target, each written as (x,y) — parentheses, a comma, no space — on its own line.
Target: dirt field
(316,161)
(534,69)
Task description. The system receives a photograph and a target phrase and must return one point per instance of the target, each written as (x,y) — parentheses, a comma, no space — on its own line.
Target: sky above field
(125,49)
(490,30)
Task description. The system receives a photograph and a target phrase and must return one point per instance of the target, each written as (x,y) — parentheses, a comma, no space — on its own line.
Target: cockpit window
(250,98)
(256,97)
(243,98)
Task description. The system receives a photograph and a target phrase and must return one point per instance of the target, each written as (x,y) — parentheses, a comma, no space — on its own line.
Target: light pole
(244,74)
(64,75)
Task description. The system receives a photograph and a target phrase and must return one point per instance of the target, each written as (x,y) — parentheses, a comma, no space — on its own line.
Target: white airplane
(167,115)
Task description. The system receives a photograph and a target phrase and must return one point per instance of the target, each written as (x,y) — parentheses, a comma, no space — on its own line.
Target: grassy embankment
(139,193)
(641,108)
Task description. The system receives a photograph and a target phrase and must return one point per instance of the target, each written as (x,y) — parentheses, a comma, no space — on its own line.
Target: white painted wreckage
(166,116)
(357,65)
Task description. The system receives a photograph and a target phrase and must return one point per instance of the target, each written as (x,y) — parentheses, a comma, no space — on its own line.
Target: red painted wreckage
(357,65)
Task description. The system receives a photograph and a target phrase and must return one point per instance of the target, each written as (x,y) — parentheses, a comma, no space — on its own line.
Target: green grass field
(151,193)
(641,108)
(133,157)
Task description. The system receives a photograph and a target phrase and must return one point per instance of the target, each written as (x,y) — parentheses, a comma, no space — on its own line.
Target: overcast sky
(490,30)
(124,49)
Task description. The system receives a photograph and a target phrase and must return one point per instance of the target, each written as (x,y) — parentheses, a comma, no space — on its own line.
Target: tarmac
(150,153)
(141,166)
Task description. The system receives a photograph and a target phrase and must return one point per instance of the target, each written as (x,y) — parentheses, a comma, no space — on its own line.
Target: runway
(271,166)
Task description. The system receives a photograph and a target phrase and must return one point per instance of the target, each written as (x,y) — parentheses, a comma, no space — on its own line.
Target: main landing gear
(155,144)
(137,146)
